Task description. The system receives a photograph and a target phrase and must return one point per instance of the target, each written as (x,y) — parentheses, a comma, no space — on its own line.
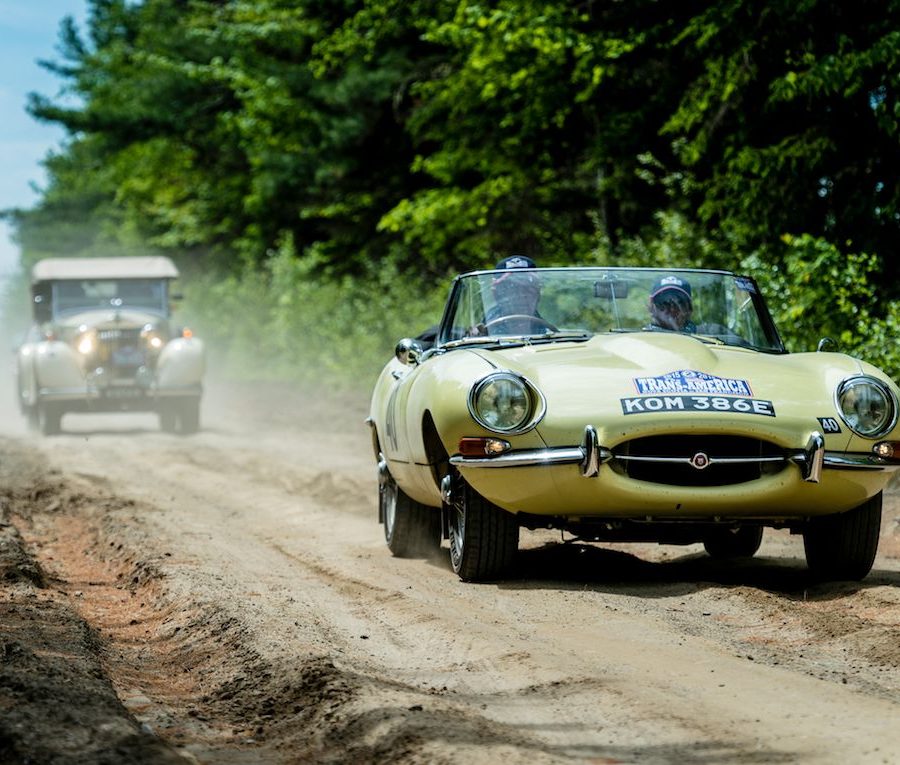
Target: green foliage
(291,322)
(284,151)
(822,292)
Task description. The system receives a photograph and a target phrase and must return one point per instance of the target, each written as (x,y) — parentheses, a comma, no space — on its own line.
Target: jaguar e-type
(622,405)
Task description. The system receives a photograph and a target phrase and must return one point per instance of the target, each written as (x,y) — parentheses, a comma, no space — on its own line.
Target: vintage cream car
(102,342)
(627,405)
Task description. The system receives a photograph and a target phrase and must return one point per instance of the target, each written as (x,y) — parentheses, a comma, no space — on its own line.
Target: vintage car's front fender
(26,382)
(406,398)
(57,368)
(180,367)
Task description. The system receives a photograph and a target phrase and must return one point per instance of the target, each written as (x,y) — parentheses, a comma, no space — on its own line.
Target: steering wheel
(537,320)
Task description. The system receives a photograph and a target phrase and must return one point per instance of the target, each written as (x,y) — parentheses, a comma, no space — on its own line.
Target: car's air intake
(697,460)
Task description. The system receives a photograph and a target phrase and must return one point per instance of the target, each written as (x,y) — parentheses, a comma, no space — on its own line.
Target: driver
(516,294)
(671,305)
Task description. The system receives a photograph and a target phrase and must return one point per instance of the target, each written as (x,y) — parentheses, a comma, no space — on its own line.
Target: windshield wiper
(576,335)
(711,339)
(565,334)
(485,340)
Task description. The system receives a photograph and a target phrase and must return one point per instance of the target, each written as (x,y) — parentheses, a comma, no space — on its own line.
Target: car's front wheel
(49,418)
(483,537)
(189,415)
(32,417)
(410,528)
(740,542)
(179,415)
(168,417)
(843,546)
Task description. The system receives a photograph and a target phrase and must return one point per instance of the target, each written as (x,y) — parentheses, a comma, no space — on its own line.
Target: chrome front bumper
(590,456)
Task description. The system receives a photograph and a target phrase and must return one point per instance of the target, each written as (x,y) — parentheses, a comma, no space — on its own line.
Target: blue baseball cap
(674,284)
(515,261)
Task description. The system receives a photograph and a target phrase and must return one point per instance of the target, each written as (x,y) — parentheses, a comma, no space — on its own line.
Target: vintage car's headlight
(86,343)
(867,405)
(506,403)
(152,337)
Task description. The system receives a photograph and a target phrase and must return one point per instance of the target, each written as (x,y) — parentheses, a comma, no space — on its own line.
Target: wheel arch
(435,452)
(439,460)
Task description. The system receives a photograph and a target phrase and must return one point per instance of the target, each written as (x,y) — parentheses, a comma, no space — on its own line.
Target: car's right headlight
(866,405)
(153,337)
(506,403)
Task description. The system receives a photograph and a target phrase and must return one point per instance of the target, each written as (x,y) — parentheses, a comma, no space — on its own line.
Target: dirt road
(228,598)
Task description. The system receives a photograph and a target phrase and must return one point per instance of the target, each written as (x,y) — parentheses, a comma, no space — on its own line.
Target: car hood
(589,381)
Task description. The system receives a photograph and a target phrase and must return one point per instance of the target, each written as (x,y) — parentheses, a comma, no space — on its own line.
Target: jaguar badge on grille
(700,461)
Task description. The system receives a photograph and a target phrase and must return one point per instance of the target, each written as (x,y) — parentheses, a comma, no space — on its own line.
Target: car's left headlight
(867,406)
(506,403)
(153,337)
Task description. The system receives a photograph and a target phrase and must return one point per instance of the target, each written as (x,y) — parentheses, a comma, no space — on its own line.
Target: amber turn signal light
(887,449)
(482,447)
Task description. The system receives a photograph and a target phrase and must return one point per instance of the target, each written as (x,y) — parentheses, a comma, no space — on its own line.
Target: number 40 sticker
(829,424)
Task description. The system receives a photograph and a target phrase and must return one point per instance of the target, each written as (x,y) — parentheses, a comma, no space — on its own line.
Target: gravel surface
(228,598)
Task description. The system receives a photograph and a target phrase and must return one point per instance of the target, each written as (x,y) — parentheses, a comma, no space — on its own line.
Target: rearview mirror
(611,288)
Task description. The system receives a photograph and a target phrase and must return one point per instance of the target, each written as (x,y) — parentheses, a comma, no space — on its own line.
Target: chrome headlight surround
(853,399)
(504,402)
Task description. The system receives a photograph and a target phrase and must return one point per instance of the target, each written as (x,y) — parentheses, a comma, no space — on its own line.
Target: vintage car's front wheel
(49,418)
(483,537)
(32,417)
(410,528)
(740,542)
(843,546)
(180,415)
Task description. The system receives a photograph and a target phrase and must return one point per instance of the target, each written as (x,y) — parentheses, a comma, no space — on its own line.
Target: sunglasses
(671,303)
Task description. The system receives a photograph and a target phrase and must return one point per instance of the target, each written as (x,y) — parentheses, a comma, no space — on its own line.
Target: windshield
(529,305)
(80,294)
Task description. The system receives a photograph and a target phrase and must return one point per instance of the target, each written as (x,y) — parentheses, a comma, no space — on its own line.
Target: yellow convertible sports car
(623,404)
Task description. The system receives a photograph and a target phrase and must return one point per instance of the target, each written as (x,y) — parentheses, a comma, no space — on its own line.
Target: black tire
(49,417)
(168,417)
(32,418)
(843,546)
(483,537)
(411,529)
(740,542)
(189,416)
(179,415)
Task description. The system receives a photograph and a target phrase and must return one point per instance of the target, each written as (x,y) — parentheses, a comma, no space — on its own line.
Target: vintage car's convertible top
(563,398)
(102,341)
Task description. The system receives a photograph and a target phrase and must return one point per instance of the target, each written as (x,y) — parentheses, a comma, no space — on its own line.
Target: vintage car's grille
(121,349)
(691,460)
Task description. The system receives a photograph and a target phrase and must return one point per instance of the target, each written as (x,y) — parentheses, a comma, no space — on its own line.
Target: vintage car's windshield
(74,295)
(574,303)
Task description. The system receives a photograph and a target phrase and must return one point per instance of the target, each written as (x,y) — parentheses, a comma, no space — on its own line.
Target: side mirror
(824,343)
(408,351)
(42,310)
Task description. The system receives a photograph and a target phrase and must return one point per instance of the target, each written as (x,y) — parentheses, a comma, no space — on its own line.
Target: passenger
(671,305)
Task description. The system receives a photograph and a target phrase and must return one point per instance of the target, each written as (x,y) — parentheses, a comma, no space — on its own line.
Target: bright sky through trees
(28,32)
